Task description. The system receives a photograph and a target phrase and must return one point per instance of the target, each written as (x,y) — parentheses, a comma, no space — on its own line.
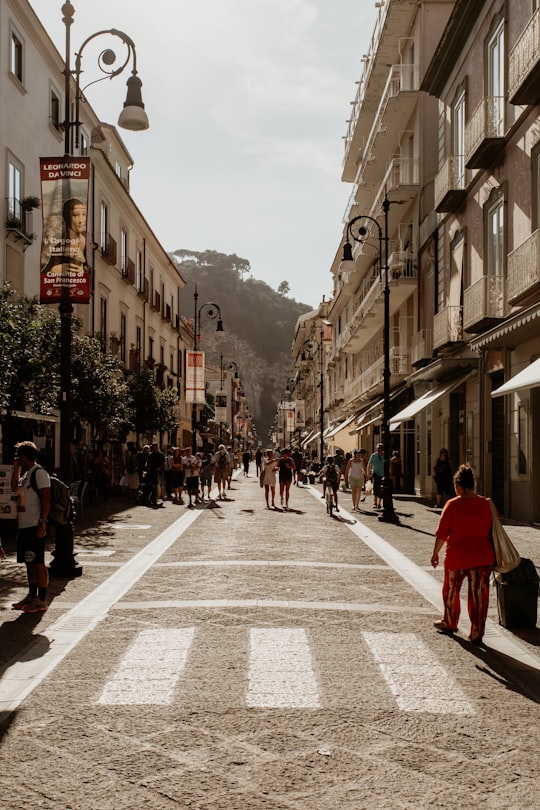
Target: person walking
(268,477)
(246,458)
(298,459)
(167,472)
(177,472)
(465,528)
(355,473)
(154,471)
(32,513)
(286,471)
(222,463)
(442,475)
(191,478)
(396,470)
(207,467)
(376,473)
(258,461)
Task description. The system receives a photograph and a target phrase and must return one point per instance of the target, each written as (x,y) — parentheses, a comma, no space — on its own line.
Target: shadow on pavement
(507,671)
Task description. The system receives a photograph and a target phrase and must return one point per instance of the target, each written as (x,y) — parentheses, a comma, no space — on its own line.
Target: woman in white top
(268,476)
(355,474)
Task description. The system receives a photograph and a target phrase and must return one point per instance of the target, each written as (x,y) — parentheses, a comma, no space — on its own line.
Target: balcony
(108,249)
(524,269)
(19,222)
(483,304)
(128,271)
(450,184)
(524,65)
(372,377)
(484,133)
(422,347)
(395,109)
(448,327)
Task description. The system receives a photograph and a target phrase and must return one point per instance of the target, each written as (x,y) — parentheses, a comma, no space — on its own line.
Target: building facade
(135,286)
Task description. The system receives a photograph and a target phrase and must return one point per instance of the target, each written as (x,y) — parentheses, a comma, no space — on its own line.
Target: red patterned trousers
(477,601)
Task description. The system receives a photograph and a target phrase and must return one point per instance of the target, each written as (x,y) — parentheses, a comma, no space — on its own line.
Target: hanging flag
(64,269)
(195,385)
(221,406)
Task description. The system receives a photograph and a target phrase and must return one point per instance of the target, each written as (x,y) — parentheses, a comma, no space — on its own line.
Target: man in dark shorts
(286,470)
(32,512)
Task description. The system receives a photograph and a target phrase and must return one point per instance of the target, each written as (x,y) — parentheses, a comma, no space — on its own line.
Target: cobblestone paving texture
(207,750)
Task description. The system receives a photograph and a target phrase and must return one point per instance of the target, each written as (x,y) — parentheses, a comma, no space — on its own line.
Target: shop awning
(528,378)
(307,439)
(340,426)
(426,400)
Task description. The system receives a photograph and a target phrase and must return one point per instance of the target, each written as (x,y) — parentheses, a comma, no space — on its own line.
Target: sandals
(441,627)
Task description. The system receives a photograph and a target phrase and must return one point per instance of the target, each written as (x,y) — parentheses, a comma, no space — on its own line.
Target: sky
(247,102)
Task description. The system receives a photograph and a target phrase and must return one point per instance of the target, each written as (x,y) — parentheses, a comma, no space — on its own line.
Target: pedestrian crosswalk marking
(281,672)
(150,669)
(416,678)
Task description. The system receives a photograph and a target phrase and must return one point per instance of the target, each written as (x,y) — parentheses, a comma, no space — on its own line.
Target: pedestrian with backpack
(33,505)
(222,464)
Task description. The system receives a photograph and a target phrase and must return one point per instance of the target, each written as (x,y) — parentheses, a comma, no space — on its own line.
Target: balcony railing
(422,347)
(448,326)
(524,65)
(524,269)
(484,133)
(483,302)
(450,184)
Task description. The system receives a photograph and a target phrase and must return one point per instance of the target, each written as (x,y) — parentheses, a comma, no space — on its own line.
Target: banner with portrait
(64,268)
(195,384)
(221,406)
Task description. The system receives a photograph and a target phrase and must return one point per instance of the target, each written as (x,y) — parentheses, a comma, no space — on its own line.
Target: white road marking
(416,678)
(281,673)
(150,669)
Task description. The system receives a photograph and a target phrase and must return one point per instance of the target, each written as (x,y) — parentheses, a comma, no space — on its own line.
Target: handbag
(506,554)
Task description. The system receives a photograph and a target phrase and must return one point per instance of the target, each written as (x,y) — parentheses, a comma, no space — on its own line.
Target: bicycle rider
(331,475)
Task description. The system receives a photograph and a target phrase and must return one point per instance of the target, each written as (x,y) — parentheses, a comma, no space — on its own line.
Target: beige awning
(528,378)
(340,426)
(426,400)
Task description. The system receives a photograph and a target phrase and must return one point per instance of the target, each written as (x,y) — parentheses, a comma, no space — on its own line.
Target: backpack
(222,460)
(332,475)
(61,511)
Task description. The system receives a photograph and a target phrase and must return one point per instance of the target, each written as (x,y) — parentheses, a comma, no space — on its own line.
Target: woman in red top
(465,527)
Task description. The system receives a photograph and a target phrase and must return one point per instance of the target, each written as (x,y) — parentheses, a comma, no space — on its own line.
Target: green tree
(284,288)
(153,408)
(101,395)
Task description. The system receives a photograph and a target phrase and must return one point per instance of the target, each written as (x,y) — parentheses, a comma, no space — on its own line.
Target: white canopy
(528,378)
(425,401)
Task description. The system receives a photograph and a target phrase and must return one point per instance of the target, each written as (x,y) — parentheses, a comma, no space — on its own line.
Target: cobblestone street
(239,658)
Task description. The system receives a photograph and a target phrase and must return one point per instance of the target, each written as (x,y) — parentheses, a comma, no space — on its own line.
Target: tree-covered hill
(258,325)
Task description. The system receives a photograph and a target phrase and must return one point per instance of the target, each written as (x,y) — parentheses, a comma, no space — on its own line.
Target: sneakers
(36,605)
(23,602)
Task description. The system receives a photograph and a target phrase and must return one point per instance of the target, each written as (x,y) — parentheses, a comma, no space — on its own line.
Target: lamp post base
(388,514)
(64,564)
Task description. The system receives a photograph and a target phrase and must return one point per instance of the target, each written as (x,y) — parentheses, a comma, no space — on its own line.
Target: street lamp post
(388,514)
(132,117)
(212,312)
(312,346)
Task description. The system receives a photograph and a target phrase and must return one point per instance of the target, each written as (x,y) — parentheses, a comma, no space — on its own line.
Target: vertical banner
(221,406)
(300,420)
(64,270)
(290,421)
(195,385)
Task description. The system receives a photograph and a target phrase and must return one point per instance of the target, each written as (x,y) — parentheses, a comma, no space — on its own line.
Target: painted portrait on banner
(64,268)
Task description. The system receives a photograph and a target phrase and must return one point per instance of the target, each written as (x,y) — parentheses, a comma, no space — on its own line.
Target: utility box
(517,596)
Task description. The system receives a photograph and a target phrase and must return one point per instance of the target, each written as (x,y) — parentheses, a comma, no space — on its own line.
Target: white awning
(340,426)
(307,439)
(425,401)
(528,378)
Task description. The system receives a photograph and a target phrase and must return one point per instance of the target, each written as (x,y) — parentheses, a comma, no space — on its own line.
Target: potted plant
(13,222)
(30,202)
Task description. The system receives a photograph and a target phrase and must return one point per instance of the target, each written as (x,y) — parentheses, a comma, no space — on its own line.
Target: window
(495,77)
(14,190)
(458,138)
(123,251)
(151,348)
(139,281)
(55,110)
(103,321)
(16,57)
(123,327)
(495,234)
(104,226)
(535,187)
(84,144)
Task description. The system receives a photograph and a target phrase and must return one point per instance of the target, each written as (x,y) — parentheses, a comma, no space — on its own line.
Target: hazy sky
(247,101)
